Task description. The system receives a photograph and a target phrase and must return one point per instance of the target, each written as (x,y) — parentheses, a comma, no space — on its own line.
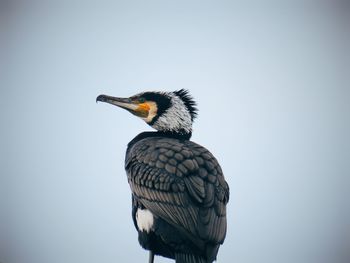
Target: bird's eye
(141,100)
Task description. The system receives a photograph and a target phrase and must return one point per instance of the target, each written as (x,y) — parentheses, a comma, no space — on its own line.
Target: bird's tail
(189,258)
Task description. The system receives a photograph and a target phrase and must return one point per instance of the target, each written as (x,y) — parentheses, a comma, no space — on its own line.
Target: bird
(179,193)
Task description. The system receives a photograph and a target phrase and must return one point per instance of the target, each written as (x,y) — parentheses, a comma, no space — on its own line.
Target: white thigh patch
(144,219)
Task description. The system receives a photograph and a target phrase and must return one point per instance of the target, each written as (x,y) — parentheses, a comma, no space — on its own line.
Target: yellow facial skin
(147,110)
(143,107)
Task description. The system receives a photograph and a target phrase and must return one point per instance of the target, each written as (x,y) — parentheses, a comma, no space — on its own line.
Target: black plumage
(182,185)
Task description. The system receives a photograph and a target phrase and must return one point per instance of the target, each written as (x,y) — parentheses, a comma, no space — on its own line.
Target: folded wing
(182,183)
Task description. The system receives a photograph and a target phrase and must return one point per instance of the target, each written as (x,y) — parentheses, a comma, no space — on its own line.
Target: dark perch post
(151,257)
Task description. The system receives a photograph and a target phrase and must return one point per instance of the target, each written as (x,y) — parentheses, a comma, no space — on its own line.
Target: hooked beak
(126,103)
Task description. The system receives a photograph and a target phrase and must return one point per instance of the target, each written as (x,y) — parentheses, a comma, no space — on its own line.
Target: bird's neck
(165,134)
(179,134)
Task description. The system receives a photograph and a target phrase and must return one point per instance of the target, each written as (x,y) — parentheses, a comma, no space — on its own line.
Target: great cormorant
(179,193)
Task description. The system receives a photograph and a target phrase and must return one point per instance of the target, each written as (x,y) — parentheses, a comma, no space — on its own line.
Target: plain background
(271,79)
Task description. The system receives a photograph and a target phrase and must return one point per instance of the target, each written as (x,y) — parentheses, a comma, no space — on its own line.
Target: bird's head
(169,112)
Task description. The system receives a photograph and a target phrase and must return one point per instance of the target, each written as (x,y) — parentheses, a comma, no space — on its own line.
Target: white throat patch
(144,219)
(176,118)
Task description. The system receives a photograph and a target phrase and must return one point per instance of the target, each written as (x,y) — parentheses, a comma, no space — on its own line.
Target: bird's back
(181,184)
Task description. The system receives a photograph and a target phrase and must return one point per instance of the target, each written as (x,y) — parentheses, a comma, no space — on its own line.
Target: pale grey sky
(272,84)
